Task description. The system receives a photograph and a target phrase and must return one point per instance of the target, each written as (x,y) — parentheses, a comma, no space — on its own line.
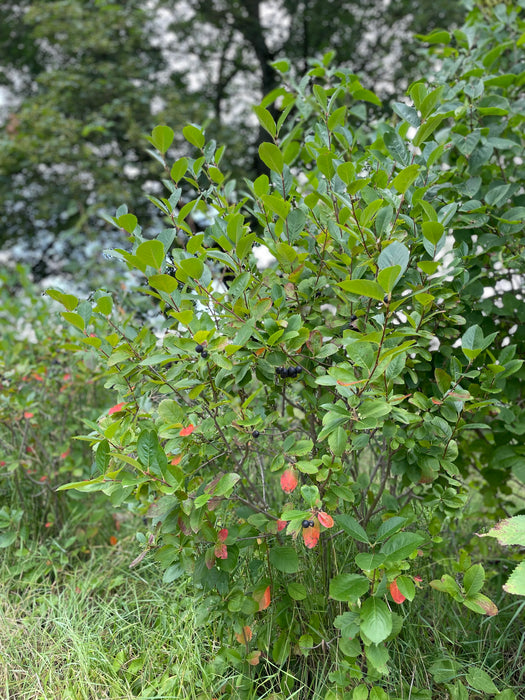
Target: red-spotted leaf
(263,598)
(209,558)
(396,594)
(187,431)
(325,519)
(221,551)
(115,409)
(222,534)
(311,534)
(289,480)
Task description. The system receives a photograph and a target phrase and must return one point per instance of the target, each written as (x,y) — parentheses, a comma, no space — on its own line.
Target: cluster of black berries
(285,372)
(201,350)
(307,523)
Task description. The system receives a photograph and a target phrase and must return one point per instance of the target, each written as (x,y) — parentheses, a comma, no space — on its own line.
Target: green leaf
(349,587)
(394,254)
(193,135)
(67,300)
(271,156)
(352,527)
(151,253)
(164,283)
(265,120)
(7,539)
(388,277)
(368,562)
(438,36)
(401,546)
(509,531)
(74,318)
(297,591)
(178,169)
(365,288)
(162,138)
(102,456)
(473,579)
(480,680)
(284,559)
(433,231)
(426,129)
(226,484)
(405,178)
(409,114)
(376,620)
(128,222)
(193,267)
(516,581)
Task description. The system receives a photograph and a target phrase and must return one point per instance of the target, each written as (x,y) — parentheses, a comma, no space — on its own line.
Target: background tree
(83,81)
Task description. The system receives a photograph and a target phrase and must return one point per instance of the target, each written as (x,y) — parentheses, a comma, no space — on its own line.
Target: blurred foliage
(84,80)
(45,395)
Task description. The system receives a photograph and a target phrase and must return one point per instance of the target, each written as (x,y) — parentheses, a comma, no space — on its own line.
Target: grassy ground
(99,630)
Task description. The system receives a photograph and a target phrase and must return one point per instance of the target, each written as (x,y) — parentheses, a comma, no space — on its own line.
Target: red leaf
(418,579)
(116,408)
(27,414)
(281,524)
(65,454)
(113,540)
(187,431)
(311,534)
(396,594)
(289,480)
(38,377)
(263,598)
(221,551)
(254,657)
(48,524)
(245,635)
(222,534)
(325,519)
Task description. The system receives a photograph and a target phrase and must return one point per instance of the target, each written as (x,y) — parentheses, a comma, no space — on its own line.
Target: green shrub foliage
(303,432)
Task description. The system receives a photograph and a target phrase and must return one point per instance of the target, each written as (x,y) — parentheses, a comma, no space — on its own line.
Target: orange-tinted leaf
(311,534)
(221,551)
(396,594)
(289,480)
(245,635)
(176,460)
(437,402)
(253,657)
(116,408)
(325,519)
(263,598)
(281,524)
(113,540)
(222,534)
(38,377)
(187,431)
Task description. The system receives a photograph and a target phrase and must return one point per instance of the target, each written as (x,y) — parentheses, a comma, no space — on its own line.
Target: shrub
(304,433)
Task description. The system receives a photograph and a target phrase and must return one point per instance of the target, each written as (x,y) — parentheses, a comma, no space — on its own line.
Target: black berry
(298,369)
(306,523)
(204,354)
(199,349)
(256,434)
(311,523)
